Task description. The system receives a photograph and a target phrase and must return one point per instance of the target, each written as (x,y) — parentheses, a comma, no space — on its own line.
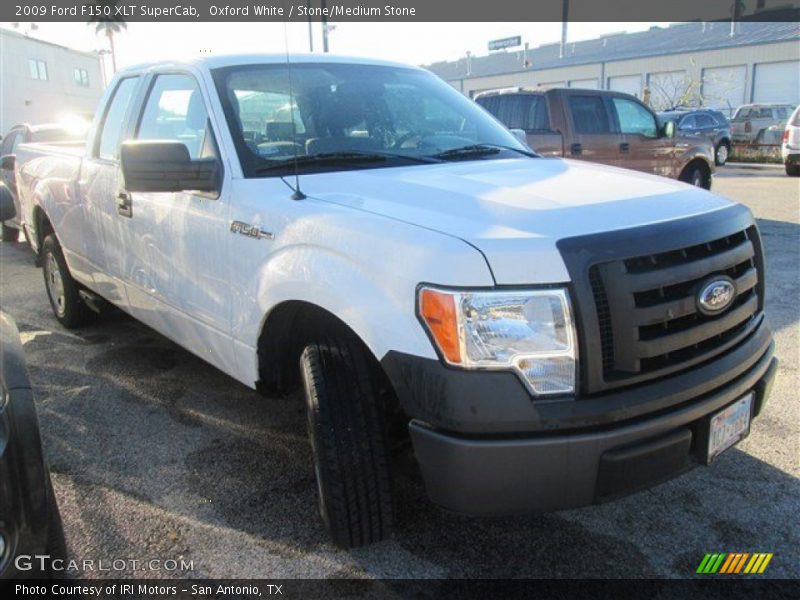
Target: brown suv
(601,126)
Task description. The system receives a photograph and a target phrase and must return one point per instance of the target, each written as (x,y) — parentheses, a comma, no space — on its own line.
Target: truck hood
(515,210)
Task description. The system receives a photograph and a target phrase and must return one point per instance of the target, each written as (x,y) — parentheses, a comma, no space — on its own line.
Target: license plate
(728,426)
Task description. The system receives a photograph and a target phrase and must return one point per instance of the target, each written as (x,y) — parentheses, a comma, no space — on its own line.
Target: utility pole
(323,4)
(564,20)
(310,28)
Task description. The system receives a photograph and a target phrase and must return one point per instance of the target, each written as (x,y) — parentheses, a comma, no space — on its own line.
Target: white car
(790,148)
(551,333)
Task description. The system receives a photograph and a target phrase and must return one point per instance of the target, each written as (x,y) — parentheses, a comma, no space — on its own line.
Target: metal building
(709,64)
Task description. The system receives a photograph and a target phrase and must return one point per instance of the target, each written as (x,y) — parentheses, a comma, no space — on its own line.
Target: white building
(42,82)
(688,63)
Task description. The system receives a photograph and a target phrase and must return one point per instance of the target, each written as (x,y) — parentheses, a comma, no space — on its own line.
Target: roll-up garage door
(629,84)
(777,82)
(723,88)
(584,84)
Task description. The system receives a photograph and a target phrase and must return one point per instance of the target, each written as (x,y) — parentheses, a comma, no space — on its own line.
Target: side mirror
(669,129)
(7,210)
(165,166)
(7,162)
(521,136)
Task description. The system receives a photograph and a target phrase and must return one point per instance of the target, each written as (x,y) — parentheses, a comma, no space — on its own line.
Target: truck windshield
(349,114)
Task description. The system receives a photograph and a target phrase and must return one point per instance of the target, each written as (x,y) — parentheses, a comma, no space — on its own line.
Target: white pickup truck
(551,333)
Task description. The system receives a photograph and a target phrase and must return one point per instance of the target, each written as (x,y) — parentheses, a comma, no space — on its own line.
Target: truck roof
(231,60)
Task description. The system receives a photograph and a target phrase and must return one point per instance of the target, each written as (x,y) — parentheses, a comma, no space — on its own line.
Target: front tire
(697,176)
(62,290)
(792,170)
(10,234)
(721,153)
(349,442)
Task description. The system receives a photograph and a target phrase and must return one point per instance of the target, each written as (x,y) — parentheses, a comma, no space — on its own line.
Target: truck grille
(637,311)
(646,305)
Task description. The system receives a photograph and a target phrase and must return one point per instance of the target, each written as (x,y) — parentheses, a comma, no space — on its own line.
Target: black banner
(396,10)
(727,587)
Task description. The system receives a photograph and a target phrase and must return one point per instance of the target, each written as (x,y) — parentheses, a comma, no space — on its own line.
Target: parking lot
(156,455)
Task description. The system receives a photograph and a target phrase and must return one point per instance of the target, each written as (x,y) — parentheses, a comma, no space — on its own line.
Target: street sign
(508,42)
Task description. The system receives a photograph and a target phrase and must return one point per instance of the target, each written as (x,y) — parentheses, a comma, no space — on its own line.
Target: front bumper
(566,453)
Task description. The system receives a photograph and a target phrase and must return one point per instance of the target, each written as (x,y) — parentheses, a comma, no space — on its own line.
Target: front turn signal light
(438,311)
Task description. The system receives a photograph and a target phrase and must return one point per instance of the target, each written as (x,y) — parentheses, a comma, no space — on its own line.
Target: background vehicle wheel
(696,175)
(348,439)
(10,234)
(62,289)
(721,153)
(793,170)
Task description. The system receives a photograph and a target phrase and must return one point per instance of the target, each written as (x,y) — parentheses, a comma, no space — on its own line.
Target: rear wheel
(10,234)
(62,290)
(721,153)
(793,170)
(348,440)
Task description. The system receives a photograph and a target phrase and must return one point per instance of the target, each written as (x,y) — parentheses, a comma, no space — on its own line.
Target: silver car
(752,122)
(790,148)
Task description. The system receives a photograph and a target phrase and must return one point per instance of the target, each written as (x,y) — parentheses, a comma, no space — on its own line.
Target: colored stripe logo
(732,563)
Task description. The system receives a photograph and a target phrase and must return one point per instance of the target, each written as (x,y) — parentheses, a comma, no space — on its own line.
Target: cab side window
(688,122)
(589,114)
(114,121)
(705,122)
(634,118)
(175,111)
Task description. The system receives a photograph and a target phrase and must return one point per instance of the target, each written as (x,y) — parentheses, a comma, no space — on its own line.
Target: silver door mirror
(521,136)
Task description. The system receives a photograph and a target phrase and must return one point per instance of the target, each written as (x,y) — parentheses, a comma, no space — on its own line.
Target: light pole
(310,29)
(323,5)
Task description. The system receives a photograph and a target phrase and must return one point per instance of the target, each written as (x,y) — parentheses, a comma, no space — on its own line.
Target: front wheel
(10,234)
(697,176)
(62,290)
(793,170)
(721,154)
(348,441)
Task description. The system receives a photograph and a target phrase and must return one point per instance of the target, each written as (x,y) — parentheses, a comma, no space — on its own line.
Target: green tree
(106,21)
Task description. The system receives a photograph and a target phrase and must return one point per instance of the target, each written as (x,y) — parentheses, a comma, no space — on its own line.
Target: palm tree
(109,24)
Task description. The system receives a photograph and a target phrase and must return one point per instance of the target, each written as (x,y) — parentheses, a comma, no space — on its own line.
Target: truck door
(101,186)
(593,136)
(642,147)
(538,126)
(177,268)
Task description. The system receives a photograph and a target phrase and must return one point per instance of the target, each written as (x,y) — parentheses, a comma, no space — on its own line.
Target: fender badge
(250,230)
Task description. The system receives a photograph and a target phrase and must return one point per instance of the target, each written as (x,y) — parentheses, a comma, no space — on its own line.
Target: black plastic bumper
(563,454)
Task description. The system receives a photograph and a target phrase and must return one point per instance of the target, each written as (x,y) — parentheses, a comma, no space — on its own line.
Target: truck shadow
(141,416)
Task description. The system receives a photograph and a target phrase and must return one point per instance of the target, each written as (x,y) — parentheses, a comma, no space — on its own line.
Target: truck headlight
(529,331)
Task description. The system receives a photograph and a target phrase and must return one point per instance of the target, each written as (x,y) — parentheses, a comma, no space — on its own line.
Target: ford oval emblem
(716,295)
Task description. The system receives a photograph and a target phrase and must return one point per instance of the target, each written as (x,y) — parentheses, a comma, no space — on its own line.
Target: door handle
(624,147)
(576,149)
(124,204)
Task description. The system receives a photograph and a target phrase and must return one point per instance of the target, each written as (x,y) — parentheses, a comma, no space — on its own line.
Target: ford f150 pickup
(551,333)
(602,126)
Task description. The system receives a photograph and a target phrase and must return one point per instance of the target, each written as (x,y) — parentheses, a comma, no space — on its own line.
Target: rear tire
(349,442)
(792,170)
(10,234)
(62,290)
(721,153)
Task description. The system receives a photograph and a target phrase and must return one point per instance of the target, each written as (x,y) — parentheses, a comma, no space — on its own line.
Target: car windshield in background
(319,116)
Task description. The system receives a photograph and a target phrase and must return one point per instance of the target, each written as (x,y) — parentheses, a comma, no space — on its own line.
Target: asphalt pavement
(156,455)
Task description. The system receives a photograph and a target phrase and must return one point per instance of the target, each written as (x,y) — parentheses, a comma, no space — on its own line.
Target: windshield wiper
(344,157)
(480,150)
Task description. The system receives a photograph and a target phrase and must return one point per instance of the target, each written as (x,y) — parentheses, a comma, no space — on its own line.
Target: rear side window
(538,118)
(175,111)
(782,114)
(589,114)
(114,122)
(705,122)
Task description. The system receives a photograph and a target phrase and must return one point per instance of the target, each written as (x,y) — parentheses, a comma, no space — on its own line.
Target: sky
(416,43)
